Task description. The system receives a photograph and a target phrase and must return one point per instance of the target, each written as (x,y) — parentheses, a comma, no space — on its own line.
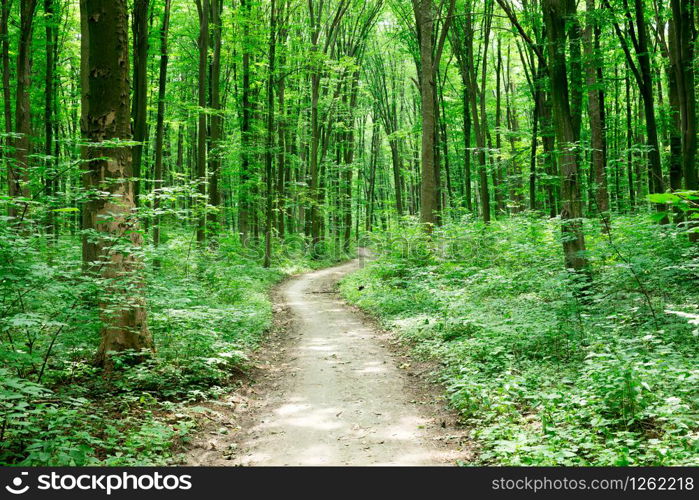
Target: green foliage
(548,371)
(207,312)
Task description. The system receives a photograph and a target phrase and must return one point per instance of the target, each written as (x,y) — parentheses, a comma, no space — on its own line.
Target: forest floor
(330,388)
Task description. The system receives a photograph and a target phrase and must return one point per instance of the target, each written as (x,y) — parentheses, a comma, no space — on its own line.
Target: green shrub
(548,370)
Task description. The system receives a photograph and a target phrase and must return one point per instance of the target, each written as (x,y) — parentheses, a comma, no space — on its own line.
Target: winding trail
(335,395)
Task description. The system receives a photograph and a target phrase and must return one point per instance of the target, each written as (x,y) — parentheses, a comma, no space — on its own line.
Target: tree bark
(110,214)
(431,46)
(642,74)
(18,174)
(216,120)
(6,93)
(555,14)
(244,201)
(50,182)
(595,103)
(269,153)
(159,128)
(203,9)
(682,57)
(140,87)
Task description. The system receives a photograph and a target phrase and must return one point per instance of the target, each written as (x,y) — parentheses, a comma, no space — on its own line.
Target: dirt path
(335,395)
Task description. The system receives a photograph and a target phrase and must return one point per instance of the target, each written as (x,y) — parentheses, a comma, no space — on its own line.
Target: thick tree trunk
(430,52)
(111,214)
(682,57)
(428,188)
(555,14)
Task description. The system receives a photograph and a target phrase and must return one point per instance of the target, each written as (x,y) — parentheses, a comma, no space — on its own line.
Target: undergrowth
(207,311)
(545,368)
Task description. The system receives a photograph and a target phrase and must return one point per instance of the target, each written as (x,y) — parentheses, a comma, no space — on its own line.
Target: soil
(331,388)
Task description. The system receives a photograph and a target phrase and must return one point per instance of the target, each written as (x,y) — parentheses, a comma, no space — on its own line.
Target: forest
(518,177)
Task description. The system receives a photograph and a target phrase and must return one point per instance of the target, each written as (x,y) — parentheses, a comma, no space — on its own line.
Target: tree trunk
(430,53)
(282,127)
(467,148)
(498,189)
(18,174)
(6,93)
(159,129)
(682,57)
(595,102)
(244,202)
(555,14)
(269,173)
(348,166)
(140,87)
(203,9)
(478,110)
(216,120)
(111,213)
(49,103)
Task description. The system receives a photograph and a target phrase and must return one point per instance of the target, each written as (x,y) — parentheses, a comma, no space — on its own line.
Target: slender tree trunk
(244,202)
(536,118)
(642,71)
(140,87)
(269,153)
(216,120)
(375,145)
(595,100)
(159,128)
(203,8)
(478,111)
(629,142)
(655,174)
(498,188)
(6,92)
(282,144)
(348,166)
(467,148)
(49,102)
